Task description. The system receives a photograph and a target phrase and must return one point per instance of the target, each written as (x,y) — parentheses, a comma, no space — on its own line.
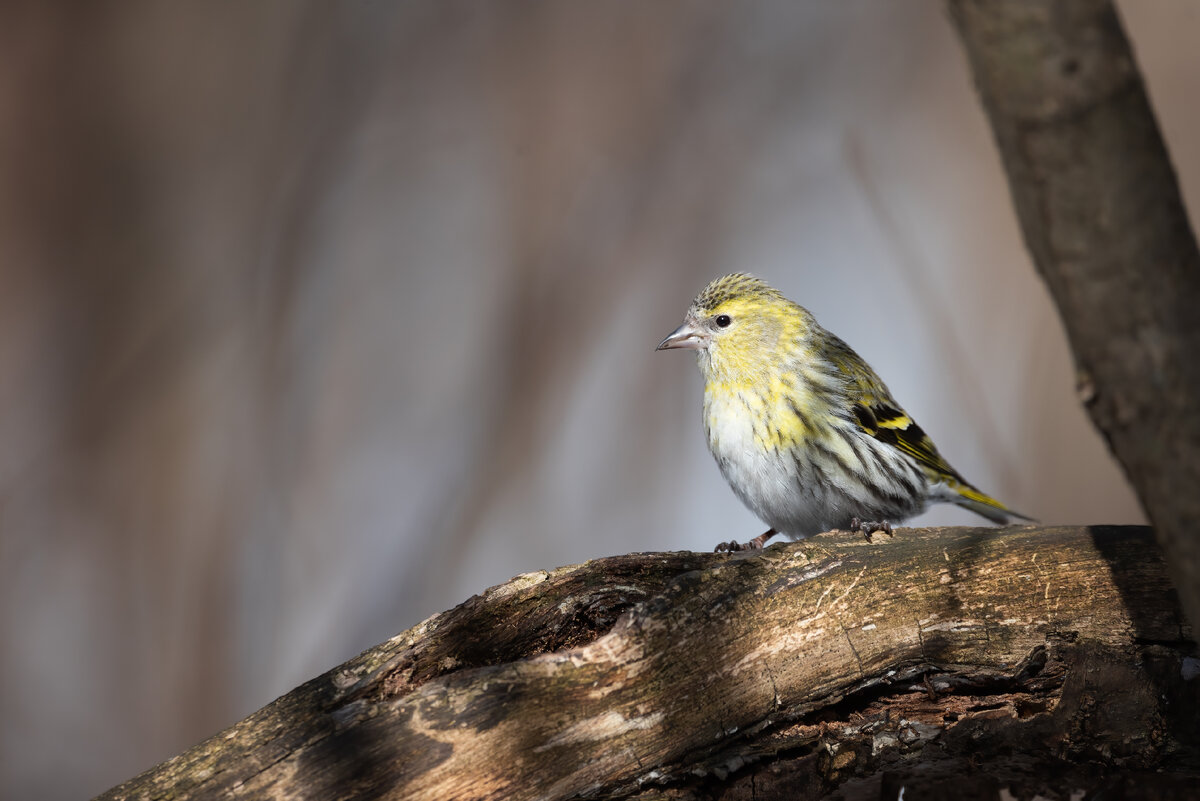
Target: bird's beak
(685,336)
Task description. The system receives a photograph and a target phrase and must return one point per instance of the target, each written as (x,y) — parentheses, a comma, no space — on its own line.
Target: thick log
(955,660)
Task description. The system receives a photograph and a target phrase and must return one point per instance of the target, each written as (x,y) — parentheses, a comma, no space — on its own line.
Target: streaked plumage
(802,428)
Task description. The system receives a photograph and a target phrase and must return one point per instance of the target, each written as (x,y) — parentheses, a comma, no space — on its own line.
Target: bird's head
(738,326)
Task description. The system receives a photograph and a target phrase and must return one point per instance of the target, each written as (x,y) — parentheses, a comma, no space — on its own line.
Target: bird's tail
(982,504)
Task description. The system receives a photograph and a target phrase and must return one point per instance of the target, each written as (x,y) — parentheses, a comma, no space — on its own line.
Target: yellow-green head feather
(738,287)
(752,328)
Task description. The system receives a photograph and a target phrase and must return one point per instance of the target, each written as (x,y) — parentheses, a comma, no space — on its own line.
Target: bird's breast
(768,414)
(752,437)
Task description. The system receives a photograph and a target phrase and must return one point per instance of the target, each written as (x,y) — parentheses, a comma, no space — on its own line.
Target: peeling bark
(954,660)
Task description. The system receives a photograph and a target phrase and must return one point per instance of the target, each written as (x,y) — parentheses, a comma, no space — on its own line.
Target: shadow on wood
(952,662)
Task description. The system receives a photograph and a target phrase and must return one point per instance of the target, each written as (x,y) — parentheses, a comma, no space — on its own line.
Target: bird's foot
(870,527)
(755,544)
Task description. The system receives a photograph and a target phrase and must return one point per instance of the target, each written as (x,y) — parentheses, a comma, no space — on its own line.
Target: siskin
(802,428)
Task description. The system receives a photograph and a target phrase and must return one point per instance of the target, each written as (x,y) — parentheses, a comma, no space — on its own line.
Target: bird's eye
(723,320)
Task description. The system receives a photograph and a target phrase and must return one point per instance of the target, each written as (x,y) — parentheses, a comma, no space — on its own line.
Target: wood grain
(658,670)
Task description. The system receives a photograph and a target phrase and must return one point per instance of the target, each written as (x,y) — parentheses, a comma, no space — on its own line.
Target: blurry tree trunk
(951,662)
(1102,215)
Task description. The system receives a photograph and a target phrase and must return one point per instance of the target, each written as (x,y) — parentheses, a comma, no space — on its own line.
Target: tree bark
(952,662)
(1102,216)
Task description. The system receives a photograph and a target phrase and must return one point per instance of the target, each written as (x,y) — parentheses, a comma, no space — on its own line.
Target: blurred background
(317,318)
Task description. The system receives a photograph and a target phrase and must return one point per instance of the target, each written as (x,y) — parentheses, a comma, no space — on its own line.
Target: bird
(805,432)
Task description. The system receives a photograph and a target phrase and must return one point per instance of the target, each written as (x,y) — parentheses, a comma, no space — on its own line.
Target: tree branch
(823,662)
(1102,216)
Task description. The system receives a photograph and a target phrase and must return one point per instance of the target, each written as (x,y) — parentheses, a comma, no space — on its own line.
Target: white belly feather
(785,487)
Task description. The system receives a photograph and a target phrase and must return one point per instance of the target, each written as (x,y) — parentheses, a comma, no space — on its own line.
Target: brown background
(317,318)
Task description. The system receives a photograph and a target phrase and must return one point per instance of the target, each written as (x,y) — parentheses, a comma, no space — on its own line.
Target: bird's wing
(877,414)
(891,425)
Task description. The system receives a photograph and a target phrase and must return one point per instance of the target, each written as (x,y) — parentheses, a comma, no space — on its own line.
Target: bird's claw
(756,544)
(870,527)
(733,545)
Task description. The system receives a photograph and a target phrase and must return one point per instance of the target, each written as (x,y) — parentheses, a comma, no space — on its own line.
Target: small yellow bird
(802,428)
